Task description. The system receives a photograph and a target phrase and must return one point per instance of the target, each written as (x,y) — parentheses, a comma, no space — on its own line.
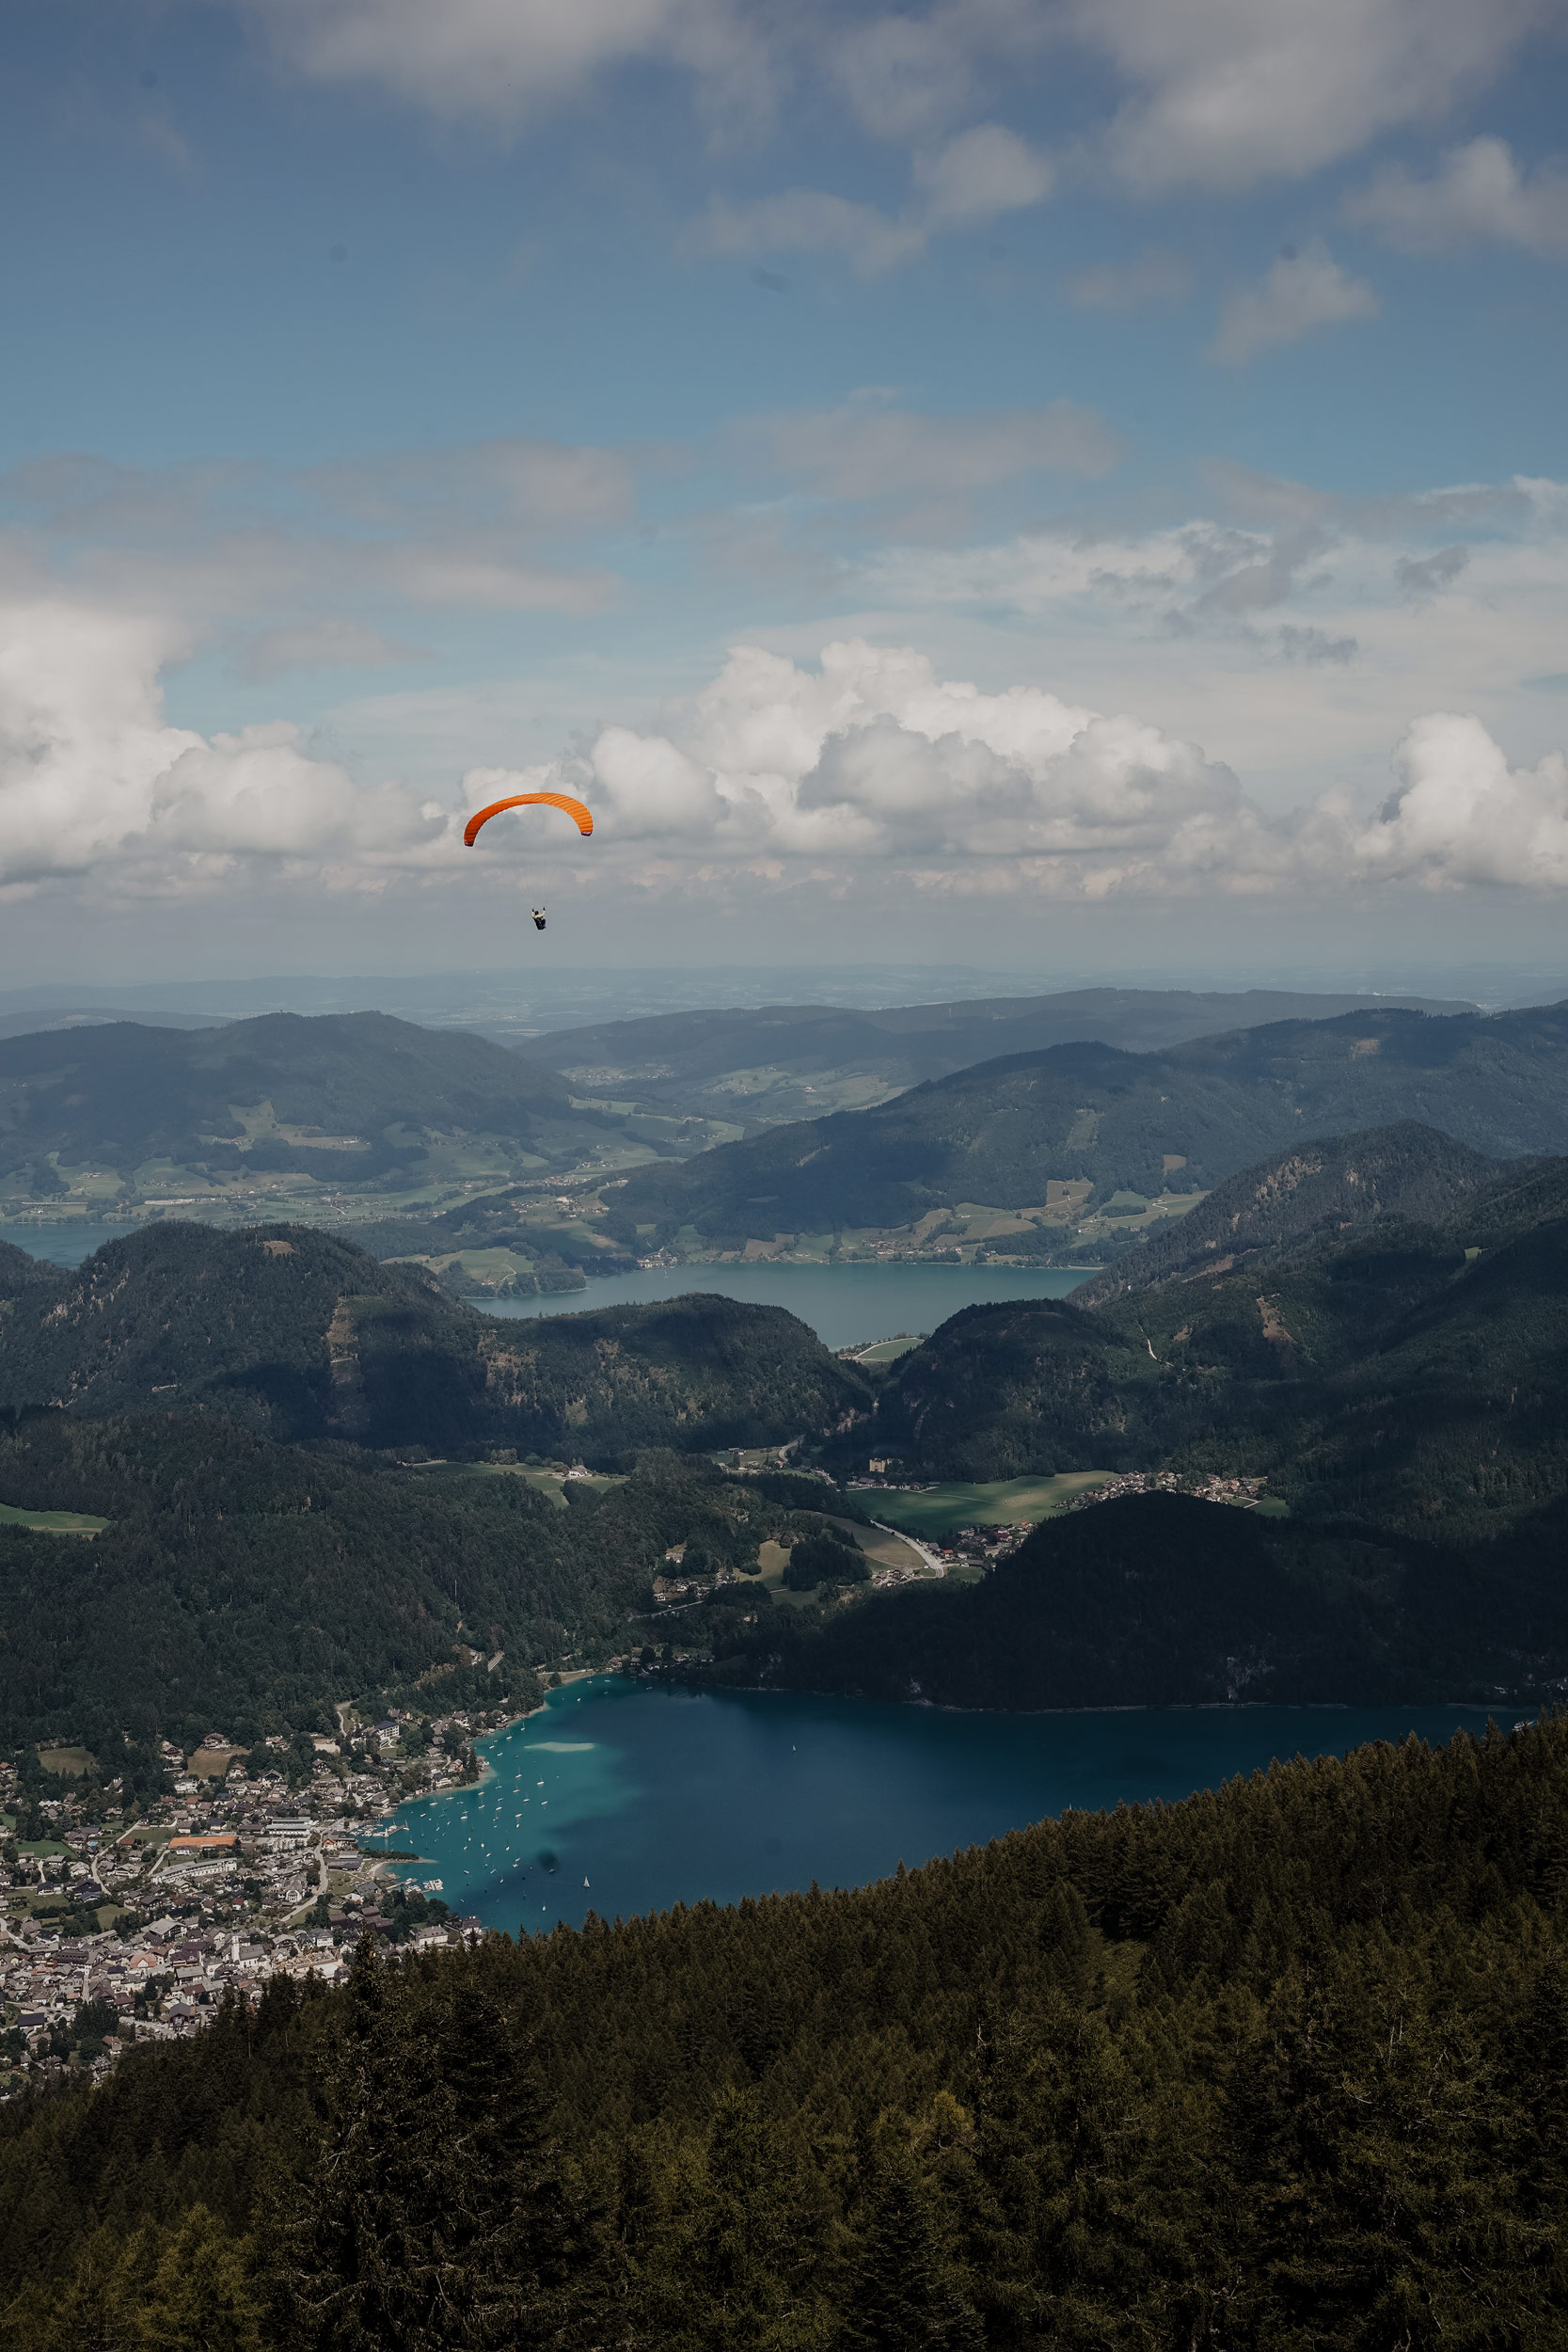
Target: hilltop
(774,1062)
(298,1335)
(1406,1372)
(1051,1135)
(346,1101)
(1326,1188)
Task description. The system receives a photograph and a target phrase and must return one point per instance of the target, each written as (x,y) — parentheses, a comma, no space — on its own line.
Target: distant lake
(842,1303)
(622,1797)
(64,1242)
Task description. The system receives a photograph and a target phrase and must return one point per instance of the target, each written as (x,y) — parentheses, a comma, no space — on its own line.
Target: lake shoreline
(662,1791)
(1036,1714)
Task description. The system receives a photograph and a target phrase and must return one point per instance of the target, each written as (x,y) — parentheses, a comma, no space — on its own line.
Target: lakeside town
(130,1919)
(130,1912)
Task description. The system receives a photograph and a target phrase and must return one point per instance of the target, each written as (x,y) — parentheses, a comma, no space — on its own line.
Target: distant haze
(513,1004)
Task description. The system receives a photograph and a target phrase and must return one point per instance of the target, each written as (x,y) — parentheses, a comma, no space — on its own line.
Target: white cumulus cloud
(1478,195)
(95,782)
(499,59)
(872,755)
(1302,292)
(1226,93)
(868,762)
(1460,813)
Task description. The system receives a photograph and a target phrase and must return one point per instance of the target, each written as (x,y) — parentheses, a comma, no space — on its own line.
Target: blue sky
(1157,404)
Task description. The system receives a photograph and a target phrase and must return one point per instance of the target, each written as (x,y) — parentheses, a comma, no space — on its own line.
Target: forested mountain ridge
(1188,1118)
(284,1328)
(1324,1187)
(350,1099)
(694,1371)
(792,1062)
(1281,2065)
(301,1335)
(1403,1374)
(1168,1600)
(250,1585)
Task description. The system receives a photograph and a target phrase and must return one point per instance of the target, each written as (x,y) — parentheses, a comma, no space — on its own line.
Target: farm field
(939,1510)
(882,1548)
(889,1351)
(52,1522)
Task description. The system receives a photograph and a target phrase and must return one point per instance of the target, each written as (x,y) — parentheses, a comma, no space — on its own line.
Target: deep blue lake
(623,1798)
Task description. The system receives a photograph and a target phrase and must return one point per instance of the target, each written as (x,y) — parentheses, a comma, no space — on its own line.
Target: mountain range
(1400,1364)
(773,1062)
(1052,1134)
(349,1101)
(301,1336)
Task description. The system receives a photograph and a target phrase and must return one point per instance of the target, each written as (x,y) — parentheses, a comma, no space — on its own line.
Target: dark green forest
(1407,1372)
(301,1335)
(372,1089)
(247,1586)
(1162,1599)
(696,1371)
(999,1132)
(1282,2066)
(1315,1191)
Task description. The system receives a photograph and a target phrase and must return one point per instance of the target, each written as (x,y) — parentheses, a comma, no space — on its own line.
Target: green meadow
(939,1510)
(52,1522)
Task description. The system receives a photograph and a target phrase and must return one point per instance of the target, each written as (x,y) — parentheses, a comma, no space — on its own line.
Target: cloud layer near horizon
(866,762)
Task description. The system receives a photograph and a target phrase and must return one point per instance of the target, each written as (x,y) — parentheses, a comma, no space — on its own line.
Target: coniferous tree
(363,2260)
(904,2293)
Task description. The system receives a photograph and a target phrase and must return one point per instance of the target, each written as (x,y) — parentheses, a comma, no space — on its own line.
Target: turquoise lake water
(622,1797)
(842,1303)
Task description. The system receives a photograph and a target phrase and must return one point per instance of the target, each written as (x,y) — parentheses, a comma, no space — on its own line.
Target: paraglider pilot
(538,918)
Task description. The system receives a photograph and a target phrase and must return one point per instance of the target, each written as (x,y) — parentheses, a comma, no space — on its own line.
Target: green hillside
(1007,1132)
(282,1327)
(355,1103)
(1322,1188)
(252,1585)
(774,1062)
(694,1373)
(1282,2066)
(1162,1600)
(1404,1373)
(300,1335)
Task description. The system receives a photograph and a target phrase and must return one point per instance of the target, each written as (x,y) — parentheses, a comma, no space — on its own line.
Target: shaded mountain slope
(1283,2064)
(1160,1600)
(1003,1132)
(691,1372)
(1404,1374)
(1327,1186)
(348,1097)
(247,1586)
(283,1328)
(300,1335)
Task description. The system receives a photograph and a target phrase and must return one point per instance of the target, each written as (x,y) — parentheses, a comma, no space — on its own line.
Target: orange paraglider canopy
(580,816)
